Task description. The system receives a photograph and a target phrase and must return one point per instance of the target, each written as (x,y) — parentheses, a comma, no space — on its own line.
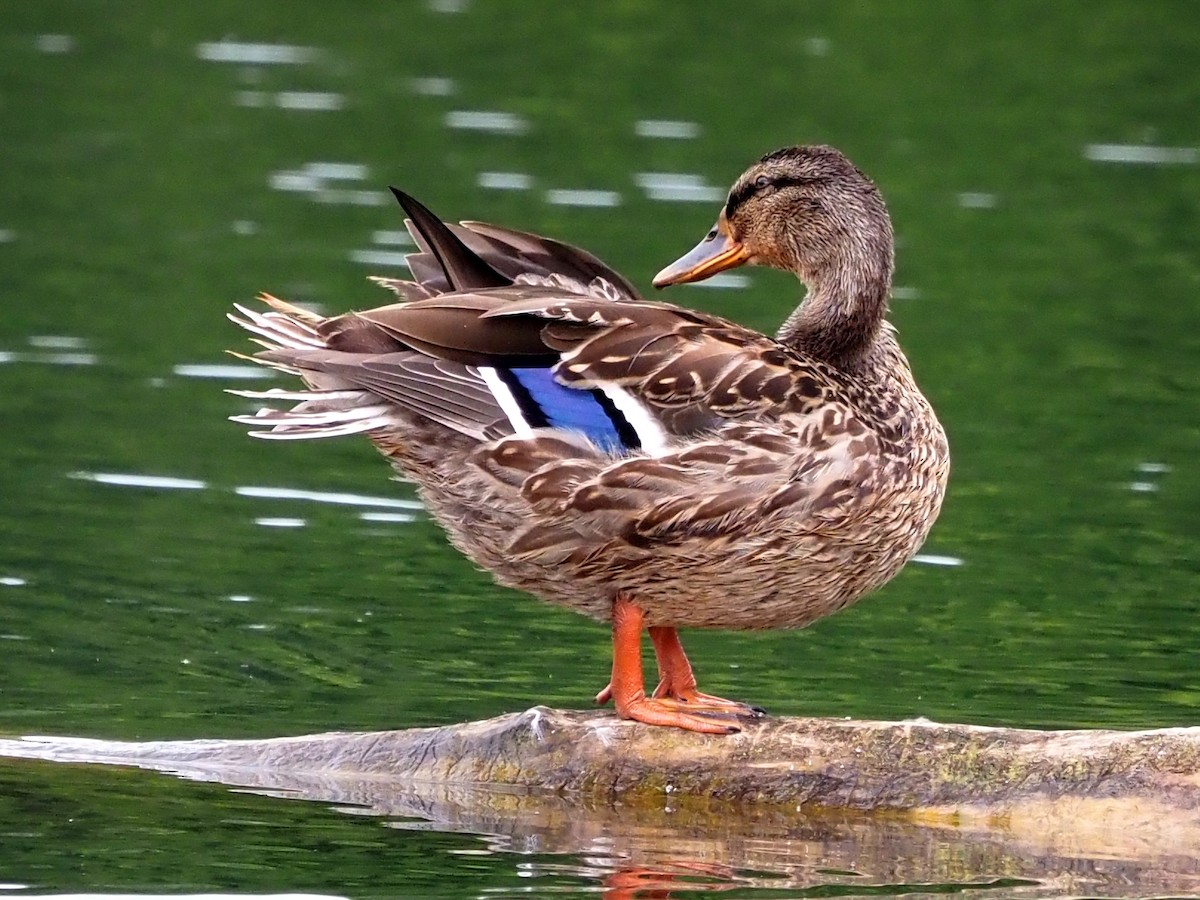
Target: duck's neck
(845,305)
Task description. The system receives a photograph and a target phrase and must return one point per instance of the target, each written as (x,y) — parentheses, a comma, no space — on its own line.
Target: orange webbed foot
(676,702)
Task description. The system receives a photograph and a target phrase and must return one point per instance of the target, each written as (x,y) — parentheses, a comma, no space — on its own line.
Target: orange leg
(627,688)
(677,682)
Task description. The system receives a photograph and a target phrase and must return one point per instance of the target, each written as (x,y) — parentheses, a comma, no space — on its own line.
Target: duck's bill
(716,253)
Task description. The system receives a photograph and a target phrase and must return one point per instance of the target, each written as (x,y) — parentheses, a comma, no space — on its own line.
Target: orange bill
(717,252)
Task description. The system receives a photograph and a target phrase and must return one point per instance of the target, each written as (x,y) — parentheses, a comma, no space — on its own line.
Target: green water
(1047,299)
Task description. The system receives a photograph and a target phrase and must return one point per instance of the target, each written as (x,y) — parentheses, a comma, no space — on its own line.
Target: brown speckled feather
(787,476)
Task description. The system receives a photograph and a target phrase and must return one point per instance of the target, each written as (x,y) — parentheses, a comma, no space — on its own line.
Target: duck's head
(807,210)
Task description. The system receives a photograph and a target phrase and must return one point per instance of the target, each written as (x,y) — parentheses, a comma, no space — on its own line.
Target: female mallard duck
(638,462)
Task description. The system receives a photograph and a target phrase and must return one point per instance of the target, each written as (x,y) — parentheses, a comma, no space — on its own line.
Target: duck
(649,466)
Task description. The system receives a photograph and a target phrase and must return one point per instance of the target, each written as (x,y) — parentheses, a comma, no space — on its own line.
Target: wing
(512,339)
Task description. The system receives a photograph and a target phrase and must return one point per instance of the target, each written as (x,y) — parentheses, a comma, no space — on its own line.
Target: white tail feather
(279,328)
(298,395)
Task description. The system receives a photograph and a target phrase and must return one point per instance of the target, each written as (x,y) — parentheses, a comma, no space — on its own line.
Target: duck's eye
(761,182)
(711,236)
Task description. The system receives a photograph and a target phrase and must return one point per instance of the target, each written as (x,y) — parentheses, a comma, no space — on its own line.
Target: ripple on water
(52,358)
(432,86)
(255,53)
(135,479)
(492,121)
(335,497)
(935,559)
(373,257)
(54,43)
(392,238)
(678,186)
(671,129)
(306,101)
(223,370)
(325,182)
(578,197)
(504,181)
(1141,154)
(977,200)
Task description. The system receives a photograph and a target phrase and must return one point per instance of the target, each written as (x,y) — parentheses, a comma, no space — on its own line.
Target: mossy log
(911,766)
(1110,812)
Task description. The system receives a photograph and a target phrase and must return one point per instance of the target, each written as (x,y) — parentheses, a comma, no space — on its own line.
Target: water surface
(162,576)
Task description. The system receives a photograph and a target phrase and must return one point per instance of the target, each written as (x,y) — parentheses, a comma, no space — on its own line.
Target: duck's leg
(677,682)
(628,691)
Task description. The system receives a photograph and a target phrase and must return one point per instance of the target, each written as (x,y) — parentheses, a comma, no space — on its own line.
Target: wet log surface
(825,763)
(1121,808)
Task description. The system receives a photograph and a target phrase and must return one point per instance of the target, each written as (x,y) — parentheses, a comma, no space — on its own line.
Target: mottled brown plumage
(777,479)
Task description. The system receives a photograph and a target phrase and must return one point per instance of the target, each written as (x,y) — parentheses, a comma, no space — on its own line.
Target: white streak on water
(1143,487)
(343,499)
(666,128)
(309,100)
(433,87)
(1142,154)
(343,197)
(56,342)
(817,46)
(1153,468)
(133,479)
(338,171)
(977,200)
(257,54)
(486,120)
(905,293)
(252,99)
(392,238)
(572,197)
(387,517)
(370,257)
(12,581)
(53,359)
(54,43)
(505,181)
(6,235)
(294,181)
(678,186)
(222,370)
(933,559)
(280,522)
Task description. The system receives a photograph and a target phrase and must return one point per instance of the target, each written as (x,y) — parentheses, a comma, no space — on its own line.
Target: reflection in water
(486,120)
(322,101)
(934,559)
(582,197)
(1141,153)
(678,186)
(666,128)
(221,370)
(505,181)
(255,54)
(343,499)
(433,86)
(1055,325)
(280,522)
(636,845)
(128,479)
(53,359)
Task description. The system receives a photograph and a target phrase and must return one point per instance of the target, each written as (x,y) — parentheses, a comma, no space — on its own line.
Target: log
(1031,796)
